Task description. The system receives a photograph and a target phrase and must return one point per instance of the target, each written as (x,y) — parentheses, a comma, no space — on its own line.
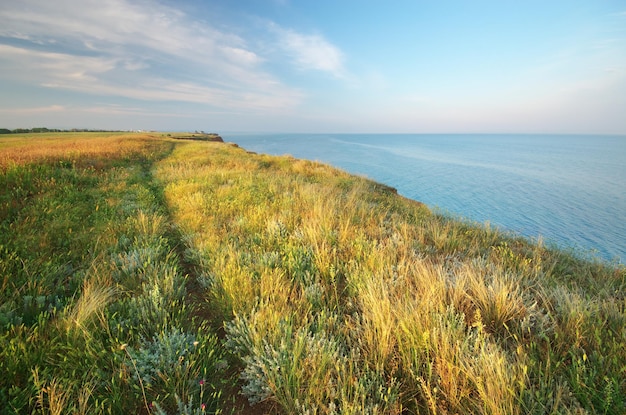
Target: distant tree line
(50,130)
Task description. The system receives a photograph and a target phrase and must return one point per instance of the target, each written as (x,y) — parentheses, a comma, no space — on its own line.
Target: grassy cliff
(140,273)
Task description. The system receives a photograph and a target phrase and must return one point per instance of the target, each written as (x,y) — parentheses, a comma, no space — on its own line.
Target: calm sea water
(568,189)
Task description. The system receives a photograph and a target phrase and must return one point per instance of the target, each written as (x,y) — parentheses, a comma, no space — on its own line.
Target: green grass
(147,274)
(88,264)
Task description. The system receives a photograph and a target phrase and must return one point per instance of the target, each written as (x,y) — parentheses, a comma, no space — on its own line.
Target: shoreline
(465,199)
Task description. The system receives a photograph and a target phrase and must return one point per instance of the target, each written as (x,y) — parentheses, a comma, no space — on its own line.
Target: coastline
(496,179)
(177,272)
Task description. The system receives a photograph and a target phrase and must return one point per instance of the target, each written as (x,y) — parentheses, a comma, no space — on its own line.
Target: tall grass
(308,265)
(87,265)
(330,294)
(95,150)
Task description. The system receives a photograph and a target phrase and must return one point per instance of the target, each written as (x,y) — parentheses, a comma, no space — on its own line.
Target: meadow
(144,273)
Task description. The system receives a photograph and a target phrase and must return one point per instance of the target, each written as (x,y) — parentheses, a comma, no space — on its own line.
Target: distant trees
(49,130)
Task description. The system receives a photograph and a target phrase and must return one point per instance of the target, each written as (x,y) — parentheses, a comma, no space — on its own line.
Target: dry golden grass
(85,148)
(96,295)
(335,294)
(440,315)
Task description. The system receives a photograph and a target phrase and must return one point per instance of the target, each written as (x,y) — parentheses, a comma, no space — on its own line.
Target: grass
(147,274)
(87,265)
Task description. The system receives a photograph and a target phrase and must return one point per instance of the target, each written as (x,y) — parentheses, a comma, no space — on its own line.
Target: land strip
(146,274)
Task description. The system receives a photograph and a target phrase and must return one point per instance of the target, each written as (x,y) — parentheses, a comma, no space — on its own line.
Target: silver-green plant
(165,353)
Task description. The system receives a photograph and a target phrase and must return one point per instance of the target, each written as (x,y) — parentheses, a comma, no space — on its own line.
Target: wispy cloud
(141,50)
(111,77)
(33,110)
(311,52)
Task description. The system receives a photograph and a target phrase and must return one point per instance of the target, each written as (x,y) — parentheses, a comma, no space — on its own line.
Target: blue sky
(315,66)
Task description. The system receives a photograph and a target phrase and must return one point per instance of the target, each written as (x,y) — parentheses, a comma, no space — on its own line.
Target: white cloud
(33,110)
(240,55)
(53,67)
(96,22)
(311,52)
(135,65)
(141,49)
(111,77)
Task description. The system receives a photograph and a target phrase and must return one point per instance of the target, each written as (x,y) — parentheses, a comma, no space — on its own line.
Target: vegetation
(202,136)
(146,274)
(46,130)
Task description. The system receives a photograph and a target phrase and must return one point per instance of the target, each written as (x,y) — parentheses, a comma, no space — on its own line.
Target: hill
(141,273)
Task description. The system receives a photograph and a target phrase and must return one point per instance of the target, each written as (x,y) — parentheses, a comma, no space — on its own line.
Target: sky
(324,66)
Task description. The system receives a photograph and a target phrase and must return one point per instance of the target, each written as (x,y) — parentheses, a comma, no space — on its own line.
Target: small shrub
(174,367)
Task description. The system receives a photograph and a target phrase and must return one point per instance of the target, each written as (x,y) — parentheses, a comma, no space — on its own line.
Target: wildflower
(201,382)
(196,343)
(203,407)
(123,346)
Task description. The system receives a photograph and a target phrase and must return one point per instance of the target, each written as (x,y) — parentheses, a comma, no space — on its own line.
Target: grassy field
(140,273)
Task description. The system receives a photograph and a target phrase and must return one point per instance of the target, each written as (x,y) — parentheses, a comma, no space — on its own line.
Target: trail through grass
(142,274)
(94,314)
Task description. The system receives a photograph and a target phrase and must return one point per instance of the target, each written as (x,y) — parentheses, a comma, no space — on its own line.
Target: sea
(567,190)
